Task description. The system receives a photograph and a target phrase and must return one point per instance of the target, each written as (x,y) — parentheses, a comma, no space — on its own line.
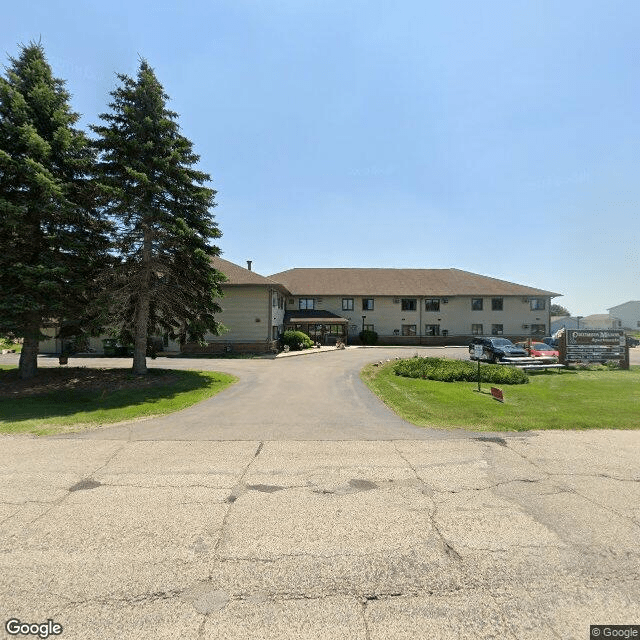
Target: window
(431,329)
(274,300)
(538,329)
(408,329)
(367,304)
(409,304)
(537,304)
(496,304)
(432,304)
(496,329)
(476,304)
(476,330)
(347,304)
(306,303)
(280,302)
(368,327)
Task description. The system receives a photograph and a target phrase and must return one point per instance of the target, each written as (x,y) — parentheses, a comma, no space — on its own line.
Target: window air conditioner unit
(445,300)
(318,300)
(396,301)
(525,326)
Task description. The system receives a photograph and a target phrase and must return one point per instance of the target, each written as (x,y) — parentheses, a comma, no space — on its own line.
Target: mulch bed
(52,380)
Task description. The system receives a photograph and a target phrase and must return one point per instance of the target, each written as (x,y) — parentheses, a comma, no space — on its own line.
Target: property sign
(497,394)
(593,345)
(477,351)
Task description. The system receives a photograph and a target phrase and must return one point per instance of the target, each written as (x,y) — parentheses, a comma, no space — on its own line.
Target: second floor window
(476,304)
(347,304)
(306,303)
(432,304)
(367,304)
(537,304)
(409,304)
(496,304)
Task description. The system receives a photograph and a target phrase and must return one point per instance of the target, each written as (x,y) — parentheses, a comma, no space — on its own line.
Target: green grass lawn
(7,344)
(552,400)
(71,409)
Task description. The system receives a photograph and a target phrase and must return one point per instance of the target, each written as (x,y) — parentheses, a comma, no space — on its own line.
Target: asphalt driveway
(315,396)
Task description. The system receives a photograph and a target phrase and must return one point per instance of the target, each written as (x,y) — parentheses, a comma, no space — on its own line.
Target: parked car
(552,342)
(539,349)
(494,349)
(632,342)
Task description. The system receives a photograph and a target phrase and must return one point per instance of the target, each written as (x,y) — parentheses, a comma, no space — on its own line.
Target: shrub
(368,337)
(296,340)
(458,371)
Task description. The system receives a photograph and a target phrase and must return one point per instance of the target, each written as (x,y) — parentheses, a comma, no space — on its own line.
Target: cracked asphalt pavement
(459,535)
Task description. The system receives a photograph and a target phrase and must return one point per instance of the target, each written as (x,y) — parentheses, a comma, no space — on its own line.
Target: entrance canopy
(321,326)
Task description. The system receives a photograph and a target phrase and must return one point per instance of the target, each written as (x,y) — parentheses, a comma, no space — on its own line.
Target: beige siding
(455,316)
(246,314)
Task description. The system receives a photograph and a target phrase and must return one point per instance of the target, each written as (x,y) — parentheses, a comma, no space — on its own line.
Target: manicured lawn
(552,400)
(65,400)
(7,344)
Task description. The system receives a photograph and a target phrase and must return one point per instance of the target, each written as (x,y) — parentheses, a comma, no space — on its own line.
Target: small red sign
(497,394)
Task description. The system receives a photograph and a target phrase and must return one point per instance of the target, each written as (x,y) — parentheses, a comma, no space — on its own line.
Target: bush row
(458,371)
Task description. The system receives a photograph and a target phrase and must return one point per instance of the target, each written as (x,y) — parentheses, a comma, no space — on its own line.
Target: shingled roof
(238,275)
(399,282)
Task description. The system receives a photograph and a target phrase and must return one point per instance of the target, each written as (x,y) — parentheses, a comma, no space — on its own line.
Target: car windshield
(541,346)
(501,342)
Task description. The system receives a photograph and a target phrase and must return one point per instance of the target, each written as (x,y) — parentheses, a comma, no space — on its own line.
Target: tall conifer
(52,239)
(164,282)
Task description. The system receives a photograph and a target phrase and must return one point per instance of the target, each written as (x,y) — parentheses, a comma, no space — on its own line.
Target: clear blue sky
(498,137)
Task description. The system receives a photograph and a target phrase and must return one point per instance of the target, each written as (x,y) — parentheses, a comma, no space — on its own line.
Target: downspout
(269,316)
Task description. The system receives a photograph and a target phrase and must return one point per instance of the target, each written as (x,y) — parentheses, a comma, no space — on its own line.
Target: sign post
(477,353)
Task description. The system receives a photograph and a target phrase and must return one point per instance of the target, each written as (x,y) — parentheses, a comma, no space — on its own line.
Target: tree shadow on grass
(163,397)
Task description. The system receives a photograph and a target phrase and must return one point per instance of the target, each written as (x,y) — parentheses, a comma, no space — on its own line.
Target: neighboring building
(626,315)
(594,321)
(415,306)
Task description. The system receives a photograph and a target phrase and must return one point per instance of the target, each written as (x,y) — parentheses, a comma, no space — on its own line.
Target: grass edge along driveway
(77,410)
(552,400)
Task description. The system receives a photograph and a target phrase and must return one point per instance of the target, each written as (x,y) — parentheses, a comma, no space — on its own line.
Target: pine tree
(164,281)
(52,237)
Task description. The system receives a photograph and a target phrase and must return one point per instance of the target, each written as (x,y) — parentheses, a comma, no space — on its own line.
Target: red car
(539,350)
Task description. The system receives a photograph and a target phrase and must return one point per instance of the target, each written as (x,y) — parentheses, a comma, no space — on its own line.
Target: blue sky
(498,137)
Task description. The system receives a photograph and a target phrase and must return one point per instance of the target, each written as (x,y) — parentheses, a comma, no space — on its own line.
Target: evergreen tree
(52,238)
(558,310)
(164,281)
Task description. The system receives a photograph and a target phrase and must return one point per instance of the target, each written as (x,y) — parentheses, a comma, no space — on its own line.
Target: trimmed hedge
(296,340)
(458,371)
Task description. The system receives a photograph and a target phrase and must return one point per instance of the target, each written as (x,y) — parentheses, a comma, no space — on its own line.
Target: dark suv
(494,349)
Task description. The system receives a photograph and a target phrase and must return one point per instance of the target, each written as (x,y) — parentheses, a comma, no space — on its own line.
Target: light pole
(578,318)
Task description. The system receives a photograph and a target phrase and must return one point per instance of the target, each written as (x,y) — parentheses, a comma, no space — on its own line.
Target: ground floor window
(538,329)
(408,329)
(476,330)
(431,329)
(496,329)
(368,327)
